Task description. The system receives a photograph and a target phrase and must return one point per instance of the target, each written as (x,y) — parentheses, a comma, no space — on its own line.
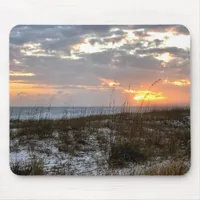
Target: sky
(99,65)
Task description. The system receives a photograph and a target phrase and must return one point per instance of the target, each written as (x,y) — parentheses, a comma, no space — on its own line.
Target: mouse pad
(98,100)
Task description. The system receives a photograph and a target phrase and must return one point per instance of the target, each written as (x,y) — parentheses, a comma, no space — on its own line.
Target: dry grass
(35,167)
(173,168)
(132,138)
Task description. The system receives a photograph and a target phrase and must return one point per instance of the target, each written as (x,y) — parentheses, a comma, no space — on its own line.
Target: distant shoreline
(153,106)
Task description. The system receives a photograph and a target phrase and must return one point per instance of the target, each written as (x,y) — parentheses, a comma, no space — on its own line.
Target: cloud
(21,74)
(183,82)
(141,34)
(175,29)
(110,83)
(178,52)
(55,59)
(156,42)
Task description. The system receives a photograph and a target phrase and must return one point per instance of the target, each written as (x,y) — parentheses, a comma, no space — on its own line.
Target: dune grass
(132,138)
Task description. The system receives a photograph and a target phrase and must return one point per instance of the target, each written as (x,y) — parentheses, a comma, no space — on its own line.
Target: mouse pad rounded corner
(99,100)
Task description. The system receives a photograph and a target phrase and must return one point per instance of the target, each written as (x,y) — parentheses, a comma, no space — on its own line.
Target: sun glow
(21,74)
(165,57)
(109,82)
(130,35)
(145,95)
(15,61)
(17,87)
(86,47)
(182,82)
(129,91)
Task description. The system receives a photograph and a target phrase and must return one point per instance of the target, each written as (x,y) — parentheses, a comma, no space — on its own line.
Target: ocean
(35,113)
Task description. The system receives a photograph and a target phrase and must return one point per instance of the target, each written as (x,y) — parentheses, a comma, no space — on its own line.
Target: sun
(166,57)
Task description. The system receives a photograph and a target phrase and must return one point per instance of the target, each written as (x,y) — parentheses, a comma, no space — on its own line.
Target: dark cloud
(95,41)
(141,34)
(182,30)
(146,62)
(137,45)
(157,42)
(94,28)
(37,33)
(121,59)
(178,29)
(178,52)
(101,58)
(26,33)
(114,40)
